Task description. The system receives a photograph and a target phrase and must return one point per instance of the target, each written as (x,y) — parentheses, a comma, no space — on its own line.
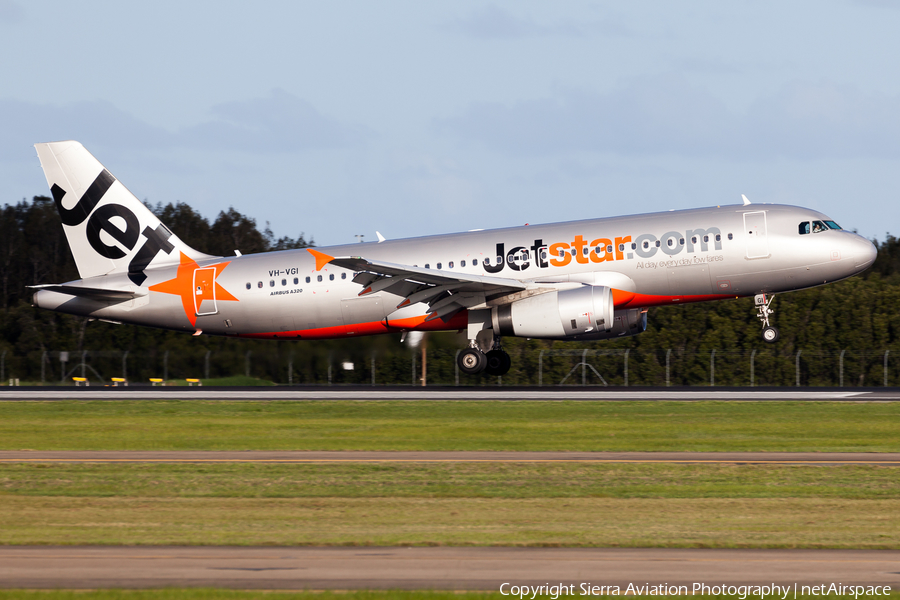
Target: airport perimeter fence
(530,366)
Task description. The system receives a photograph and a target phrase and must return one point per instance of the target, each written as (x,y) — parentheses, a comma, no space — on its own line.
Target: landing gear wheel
(471,361)
(498,363)
(770,334)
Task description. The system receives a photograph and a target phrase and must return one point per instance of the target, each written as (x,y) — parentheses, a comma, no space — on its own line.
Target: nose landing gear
(769,333)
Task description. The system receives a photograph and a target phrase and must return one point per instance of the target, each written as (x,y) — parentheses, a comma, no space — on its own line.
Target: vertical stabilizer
(108,229)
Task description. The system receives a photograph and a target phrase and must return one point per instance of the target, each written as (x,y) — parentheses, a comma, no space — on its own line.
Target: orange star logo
(195,284)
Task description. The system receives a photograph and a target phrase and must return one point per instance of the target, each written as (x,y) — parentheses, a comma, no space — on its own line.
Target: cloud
(667,115)
(97,123)
(279,123)
(492,23)
(11,11)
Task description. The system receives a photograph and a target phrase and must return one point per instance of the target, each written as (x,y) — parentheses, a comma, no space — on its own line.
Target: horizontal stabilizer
(88,292)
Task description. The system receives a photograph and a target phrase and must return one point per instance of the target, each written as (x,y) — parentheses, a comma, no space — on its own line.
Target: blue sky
(413,118)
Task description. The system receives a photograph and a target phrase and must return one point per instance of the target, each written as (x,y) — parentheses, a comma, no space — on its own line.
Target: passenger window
(486,261)
(646,244)
(284,282)
(586,251)
(597,250)
(574,252)
(621,247)
(718,237)
(271,283)
(427,266)
(450,265)
(730,236)
(307,280)
(343,276)
(705,238)
(804,228)
(319,278)
(259,285)
(633,245)
(670,242)
(331,277)
(681,242)
(248,285)
(462,263)
(657,243)
(439,266)
(296,280)
(609,249)
(694,239)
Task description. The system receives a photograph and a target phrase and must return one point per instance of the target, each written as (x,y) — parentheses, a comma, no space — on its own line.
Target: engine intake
(558,314)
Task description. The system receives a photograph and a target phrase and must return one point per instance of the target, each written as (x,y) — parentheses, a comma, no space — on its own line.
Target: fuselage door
(205,291)
(755,231)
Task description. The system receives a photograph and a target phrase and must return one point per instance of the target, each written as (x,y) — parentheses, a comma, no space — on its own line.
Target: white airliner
(580,280)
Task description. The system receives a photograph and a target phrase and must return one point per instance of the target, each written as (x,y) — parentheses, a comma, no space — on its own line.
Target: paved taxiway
(888,459)
(432,568)
(446,393)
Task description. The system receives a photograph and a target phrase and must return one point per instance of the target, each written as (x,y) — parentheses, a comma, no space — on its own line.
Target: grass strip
(449,480)
(582,522)
(220,594)
(461,425)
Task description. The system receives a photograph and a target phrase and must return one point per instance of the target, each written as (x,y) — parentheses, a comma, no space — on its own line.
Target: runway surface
(449,393)
(888,459)
(432,568)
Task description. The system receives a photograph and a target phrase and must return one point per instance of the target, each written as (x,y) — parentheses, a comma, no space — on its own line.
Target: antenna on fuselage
(746,200)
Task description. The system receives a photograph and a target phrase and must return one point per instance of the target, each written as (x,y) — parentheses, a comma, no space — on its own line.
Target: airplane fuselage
(647,260)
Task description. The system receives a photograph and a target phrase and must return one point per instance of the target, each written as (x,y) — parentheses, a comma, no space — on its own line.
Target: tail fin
(108,229)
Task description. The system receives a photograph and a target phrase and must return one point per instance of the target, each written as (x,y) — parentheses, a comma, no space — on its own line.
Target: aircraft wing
(445,292)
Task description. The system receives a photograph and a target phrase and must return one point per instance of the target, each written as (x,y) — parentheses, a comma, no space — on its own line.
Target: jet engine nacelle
(558,314)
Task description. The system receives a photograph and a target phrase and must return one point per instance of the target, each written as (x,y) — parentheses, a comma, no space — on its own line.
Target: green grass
(461,480)
(218,594)
(714,506)
(486,425)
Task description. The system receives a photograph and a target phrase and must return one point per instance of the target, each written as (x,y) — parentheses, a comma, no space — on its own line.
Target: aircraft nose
(863,252)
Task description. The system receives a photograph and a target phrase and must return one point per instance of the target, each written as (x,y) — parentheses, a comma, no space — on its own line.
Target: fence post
(3,366)
(886,352)
(166,365)
(329,368)
(372,367)
(206,364)
(841,368)
(797,368)
(83,363)
(626,366)
(247,364)
(752,368)
(456,366)
(125,365)
(43,365)
(584,367)
(668,352)
(712,368)
(413,381)
(540,368)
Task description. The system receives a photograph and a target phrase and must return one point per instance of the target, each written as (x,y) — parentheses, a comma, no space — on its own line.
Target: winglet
(746,200)
(322,259)
(381,238)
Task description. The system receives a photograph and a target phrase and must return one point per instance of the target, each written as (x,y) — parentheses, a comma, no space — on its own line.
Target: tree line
(691,344)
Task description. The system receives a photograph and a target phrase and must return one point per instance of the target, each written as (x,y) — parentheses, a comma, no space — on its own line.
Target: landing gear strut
(769,333)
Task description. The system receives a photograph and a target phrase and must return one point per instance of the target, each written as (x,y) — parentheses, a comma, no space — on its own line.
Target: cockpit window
(832,225)
(804,228)
(819,227)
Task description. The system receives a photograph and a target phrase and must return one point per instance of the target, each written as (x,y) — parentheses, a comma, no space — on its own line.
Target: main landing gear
(769,333)
(472,361)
